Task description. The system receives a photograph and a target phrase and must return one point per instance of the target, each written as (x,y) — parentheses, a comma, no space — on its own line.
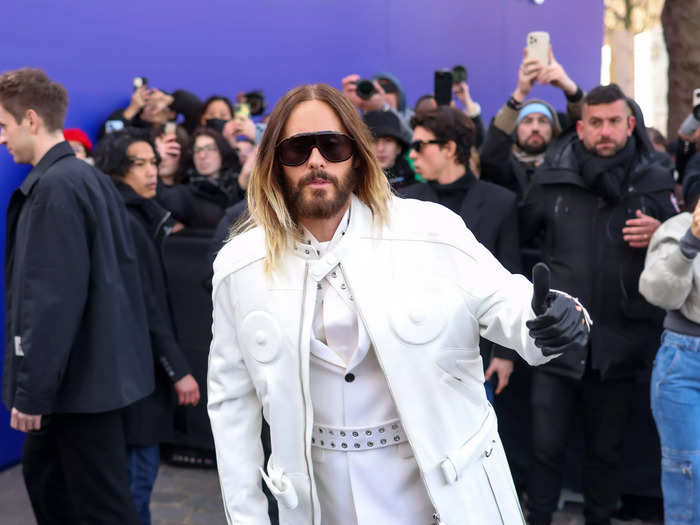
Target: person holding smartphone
(519,135)
(150,107)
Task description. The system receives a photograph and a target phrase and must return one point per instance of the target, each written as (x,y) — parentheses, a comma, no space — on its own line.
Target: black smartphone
(443,87)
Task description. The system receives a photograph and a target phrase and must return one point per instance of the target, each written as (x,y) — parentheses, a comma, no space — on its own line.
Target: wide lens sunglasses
(417,145)
(334,146)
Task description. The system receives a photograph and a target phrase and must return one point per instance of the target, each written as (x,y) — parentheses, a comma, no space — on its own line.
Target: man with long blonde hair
(352,319)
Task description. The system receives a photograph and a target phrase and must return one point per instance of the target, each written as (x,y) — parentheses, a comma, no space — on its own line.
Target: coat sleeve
(667,279)
(189,106)
(508,242)
(496,150)
(499,300)
(53,294)
(160,326)
(235,414)
(530,213)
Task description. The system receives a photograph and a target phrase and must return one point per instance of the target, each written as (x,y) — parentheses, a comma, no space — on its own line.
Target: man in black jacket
(442,141)
(76,319)
(591,184)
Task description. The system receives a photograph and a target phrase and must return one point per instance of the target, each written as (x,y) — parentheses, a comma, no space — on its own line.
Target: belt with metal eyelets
(351,439)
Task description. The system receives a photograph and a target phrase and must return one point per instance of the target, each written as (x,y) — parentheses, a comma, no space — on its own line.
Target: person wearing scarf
(596,199)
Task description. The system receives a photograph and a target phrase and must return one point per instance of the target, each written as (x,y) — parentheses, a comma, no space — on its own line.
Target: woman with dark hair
(132,163)
(216,107)
(213,182)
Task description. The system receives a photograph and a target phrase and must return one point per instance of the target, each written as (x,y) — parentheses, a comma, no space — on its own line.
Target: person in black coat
(132,163)
(598,197)
(77,347)
(442,141)
(212,182)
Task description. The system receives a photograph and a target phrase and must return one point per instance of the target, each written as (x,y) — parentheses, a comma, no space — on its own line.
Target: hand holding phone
(529,71)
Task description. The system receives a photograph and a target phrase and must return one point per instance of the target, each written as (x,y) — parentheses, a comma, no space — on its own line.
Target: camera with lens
(365,89)
(256,102)
(692,122)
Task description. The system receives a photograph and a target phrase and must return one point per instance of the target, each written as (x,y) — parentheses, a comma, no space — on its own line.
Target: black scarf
(606,176)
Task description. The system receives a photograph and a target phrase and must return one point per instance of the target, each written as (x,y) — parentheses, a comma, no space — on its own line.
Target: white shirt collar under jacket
(338,336)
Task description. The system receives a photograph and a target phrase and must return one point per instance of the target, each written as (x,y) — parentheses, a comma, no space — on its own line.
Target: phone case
(538,46)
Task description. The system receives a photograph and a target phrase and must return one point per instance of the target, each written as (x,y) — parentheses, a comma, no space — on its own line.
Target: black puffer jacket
(584,248)
(150,421)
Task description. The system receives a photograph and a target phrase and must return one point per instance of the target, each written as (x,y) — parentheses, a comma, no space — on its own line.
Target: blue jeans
(143,465)
(675,403)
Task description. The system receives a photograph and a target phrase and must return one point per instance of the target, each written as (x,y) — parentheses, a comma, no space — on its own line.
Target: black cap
(385,124)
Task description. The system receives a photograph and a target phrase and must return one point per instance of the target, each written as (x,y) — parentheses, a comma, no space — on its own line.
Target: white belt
(351,439)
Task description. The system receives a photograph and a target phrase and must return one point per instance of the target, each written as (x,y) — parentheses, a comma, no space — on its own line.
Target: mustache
(315,175)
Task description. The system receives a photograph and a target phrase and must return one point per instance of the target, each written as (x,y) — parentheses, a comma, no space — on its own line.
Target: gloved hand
(562,324)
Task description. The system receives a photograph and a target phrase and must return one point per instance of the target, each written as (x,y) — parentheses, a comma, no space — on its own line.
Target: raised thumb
(540,283)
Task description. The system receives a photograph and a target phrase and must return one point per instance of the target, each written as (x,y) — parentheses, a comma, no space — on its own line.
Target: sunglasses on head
(417,145)
(334,146)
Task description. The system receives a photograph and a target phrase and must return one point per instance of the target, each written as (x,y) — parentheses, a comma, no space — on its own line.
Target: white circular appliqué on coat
(261,336)
(419,315)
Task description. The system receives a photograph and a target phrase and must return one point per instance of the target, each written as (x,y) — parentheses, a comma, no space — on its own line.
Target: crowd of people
(592,192)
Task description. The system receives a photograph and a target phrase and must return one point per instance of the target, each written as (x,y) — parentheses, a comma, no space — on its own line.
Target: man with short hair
(591,183)
(366,368)
(75,315)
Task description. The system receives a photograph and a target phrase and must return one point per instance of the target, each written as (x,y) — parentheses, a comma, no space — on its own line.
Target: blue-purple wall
(222,46)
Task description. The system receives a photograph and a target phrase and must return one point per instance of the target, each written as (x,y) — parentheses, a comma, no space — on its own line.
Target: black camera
(365,89)
(256,102)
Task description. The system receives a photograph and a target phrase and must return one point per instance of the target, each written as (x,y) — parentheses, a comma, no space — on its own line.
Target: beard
(533,149)
(320,203)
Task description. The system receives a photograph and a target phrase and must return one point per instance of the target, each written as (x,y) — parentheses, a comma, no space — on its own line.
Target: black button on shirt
(349,378)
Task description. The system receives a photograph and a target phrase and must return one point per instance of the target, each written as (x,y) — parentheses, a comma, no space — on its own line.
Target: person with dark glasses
(367,370)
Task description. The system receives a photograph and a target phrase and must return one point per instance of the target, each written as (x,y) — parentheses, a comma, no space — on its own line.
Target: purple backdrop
(223,47)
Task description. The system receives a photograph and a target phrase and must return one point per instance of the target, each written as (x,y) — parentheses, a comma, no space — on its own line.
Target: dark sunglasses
(417,145)
(334,146)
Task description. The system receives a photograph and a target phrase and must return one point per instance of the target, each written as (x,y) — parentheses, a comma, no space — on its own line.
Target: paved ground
(183,497)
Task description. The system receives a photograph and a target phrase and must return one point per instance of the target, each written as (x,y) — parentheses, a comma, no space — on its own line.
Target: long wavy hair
(266,203)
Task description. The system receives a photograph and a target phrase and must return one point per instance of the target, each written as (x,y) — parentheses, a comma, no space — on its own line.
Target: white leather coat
(426,290)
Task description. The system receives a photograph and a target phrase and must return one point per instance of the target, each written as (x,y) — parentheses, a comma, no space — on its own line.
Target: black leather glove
(561,324)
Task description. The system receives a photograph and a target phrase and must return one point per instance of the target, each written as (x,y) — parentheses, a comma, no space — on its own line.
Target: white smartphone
(696,97)
(538,46)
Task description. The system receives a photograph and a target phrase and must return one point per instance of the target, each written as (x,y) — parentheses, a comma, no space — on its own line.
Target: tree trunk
(681,23)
